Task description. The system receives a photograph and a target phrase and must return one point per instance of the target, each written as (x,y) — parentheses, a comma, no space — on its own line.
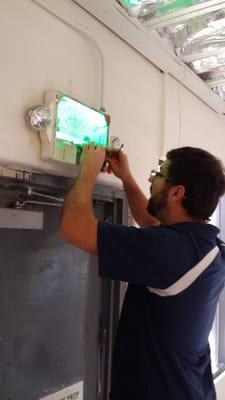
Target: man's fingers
(85,148)
(93,146)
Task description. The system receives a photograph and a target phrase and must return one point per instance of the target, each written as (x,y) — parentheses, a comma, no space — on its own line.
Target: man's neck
(176,218)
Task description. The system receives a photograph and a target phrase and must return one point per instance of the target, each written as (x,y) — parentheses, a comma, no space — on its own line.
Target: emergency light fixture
(73,124)
(39,117)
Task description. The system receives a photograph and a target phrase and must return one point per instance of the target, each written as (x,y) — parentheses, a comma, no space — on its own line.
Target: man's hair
(203,177)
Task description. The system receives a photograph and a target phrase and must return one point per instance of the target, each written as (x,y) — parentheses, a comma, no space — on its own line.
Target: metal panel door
(49,313)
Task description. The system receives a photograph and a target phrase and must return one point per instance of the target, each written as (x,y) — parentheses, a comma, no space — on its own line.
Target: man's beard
(158,203)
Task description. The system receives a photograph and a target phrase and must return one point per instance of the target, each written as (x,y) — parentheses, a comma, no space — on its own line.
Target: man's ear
(176,193)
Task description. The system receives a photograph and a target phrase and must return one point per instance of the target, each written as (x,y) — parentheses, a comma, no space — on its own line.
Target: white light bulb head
(39,117)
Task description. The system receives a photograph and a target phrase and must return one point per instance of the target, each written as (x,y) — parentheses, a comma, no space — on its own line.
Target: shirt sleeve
(145,256)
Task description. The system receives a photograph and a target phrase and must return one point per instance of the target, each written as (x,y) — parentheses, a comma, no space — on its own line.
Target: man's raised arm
(78,223)
(136,199)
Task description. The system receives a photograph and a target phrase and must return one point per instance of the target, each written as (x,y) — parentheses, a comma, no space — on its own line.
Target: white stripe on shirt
(187,279)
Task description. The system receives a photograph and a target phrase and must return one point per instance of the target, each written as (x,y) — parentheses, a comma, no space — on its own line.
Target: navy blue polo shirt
(161,350)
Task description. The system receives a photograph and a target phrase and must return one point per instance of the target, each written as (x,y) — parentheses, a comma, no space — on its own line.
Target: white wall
(38,53)
(190,122)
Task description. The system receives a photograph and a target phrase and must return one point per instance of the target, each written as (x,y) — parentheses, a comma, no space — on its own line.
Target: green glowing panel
(133,3)
(78,124)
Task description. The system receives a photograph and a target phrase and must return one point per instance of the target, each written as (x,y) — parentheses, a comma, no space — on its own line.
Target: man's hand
(136,198)
(119,164)
(92,159)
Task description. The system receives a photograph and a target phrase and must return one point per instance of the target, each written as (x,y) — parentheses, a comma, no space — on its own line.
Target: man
(174,264)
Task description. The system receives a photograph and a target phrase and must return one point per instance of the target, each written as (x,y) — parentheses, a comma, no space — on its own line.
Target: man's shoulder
(153,240)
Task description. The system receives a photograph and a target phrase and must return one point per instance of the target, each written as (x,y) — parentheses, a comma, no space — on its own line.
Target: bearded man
(174,265)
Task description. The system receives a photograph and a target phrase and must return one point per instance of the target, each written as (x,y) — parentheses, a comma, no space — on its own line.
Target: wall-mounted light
(65,124)
(39,117)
